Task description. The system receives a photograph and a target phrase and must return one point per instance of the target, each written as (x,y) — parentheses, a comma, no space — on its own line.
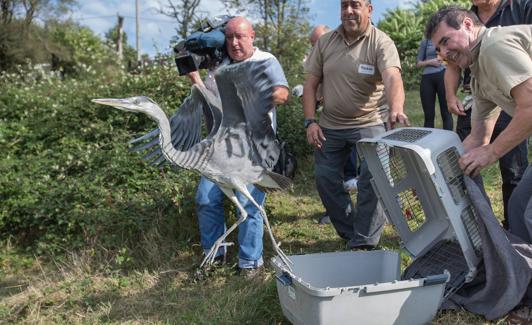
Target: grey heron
(241,147)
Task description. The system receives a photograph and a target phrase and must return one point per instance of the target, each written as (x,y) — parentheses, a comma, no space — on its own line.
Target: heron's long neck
(186,159)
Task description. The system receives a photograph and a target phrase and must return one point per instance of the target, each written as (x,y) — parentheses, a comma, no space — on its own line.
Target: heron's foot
(210,257)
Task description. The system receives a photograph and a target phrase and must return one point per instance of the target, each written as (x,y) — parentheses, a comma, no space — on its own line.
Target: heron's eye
(136,102)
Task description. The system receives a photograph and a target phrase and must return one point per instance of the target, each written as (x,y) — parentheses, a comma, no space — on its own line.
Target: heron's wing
(246,92)
(185,125)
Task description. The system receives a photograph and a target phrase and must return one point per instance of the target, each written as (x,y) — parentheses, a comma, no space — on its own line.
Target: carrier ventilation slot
(392,163)
(407,135)
(411,209)
(453,175)
(470,221)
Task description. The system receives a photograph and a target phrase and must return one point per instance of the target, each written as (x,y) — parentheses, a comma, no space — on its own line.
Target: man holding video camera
(239,37)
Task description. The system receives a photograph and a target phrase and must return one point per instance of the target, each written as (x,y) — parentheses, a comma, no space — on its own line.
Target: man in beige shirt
(354,63)
(500,59)
(512,165)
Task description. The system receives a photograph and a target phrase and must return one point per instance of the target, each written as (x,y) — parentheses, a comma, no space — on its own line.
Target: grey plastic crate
(355,288)
(416,176)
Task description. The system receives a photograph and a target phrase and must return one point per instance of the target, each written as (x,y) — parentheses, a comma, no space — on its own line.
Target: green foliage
(16,48)
(406,28)
(82,50)
(68,180)
(129,53)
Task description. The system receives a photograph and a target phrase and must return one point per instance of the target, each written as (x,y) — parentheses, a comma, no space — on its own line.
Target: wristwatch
(309,122)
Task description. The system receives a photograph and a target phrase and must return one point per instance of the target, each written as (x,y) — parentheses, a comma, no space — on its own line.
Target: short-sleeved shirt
(427,51)
(508,13)
(353,90)
(501,61)
(274,71)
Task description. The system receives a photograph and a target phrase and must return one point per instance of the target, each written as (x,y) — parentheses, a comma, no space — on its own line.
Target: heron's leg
(209,258)
(276,245)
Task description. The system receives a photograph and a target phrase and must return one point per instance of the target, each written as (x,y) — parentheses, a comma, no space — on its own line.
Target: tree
(8,11)
(282,29)
(20,38)
(406,28)
(129,53)
(184,12)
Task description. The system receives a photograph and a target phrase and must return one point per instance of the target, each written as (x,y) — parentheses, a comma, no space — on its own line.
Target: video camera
(204,48)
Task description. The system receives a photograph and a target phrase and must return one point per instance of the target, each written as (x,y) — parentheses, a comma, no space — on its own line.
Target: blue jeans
(211,219)
(361,224)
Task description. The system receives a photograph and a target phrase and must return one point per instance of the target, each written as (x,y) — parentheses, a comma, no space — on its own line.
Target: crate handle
(436,279)
(284,278)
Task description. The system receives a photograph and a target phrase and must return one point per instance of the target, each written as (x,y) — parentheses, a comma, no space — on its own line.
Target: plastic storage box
(420,185)
(355,288)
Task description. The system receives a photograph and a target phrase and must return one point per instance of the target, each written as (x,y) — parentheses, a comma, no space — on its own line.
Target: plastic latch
(436,279)
(285,279)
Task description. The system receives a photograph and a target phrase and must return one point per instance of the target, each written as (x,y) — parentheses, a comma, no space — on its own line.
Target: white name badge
(366,69)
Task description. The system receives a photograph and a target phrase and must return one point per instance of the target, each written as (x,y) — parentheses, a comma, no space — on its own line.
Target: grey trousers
(520,208)
(359,225)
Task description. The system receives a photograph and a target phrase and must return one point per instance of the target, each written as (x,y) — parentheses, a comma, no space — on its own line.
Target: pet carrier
(421,187)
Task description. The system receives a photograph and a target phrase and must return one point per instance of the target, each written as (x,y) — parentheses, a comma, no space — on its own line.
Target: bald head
(239,37)
(317,32)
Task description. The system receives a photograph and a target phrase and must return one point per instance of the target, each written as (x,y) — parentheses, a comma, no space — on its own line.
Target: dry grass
(82,287)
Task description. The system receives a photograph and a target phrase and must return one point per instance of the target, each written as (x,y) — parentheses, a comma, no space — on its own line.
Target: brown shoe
(521,315)
(250,273)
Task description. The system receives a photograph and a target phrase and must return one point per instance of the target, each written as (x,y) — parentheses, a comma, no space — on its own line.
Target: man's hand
(315,135)
(476,159)
(398,118)
(434,62)
(280,95)
(454,105)
(195,77)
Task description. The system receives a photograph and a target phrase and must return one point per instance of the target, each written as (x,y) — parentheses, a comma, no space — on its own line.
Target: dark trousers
(432,85)
(350,168)
(361,224)
(512,165)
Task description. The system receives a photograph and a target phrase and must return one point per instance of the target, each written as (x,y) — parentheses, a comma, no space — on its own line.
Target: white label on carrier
(291,293)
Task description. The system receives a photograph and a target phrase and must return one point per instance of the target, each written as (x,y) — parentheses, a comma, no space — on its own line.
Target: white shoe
(351,185)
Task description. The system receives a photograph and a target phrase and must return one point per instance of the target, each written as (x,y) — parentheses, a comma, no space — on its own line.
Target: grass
(82,288)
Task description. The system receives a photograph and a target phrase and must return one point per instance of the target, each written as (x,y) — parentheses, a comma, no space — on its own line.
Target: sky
(156,30)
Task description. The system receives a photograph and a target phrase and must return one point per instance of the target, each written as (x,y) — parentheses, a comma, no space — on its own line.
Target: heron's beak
(116,103)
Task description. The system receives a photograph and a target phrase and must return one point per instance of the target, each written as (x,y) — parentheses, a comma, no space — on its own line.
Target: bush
(68,179)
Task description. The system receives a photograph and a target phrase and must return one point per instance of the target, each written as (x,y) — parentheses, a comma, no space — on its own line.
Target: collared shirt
(502,59)
(509,12)
(353,90)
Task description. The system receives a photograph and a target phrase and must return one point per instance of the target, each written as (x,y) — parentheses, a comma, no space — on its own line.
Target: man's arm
(395,95)
(280,95)
(519,129)
(451,80)
(314,134)
(195,77)
(481,132)
(432,62)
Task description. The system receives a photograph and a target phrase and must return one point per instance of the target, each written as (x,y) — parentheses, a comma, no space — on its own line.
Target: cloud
(156,30)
